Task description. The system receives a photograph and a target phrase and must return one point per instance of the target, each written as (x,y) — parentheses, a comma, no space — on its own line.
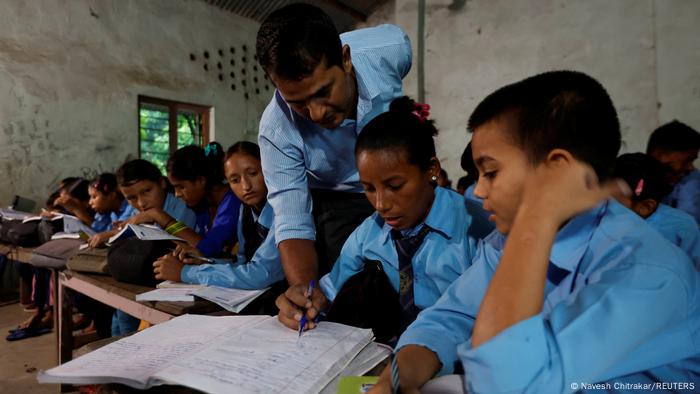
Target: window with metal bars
(165,126)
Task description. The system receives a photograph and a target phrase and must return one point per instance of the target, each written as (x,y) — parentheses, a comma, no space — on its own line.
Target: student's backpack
(19,234)
(47,228)
(131,260)
(93,260)
(55,253)
(367,300)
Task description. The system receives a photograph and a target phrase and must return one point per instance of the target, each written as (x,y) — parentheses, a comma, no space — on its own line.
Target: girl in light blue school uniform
(574,293)
(419,232)
(258,263)
(645,177)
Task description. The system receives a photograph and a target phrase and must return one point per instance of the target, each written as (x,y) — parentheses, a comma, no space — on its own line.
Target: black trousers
(336,216)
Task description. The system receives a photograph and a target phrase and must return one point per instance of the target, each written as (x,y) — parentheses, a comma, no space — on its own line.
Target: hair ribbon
(639,188)
(421,111)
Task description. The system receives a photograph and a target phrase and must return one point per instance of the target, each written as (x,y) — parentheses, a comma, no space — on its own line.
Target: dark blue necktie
(406,248)
(555,274)
(257,238)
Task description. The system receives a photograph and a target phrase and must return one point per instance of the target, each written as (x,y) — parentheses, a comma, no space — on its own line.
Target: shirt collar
(266,215)
(441,217)
(573,239)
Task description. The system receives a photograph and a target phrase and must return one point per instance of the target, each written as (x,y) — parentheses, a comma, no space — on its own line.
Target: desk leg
(65,325)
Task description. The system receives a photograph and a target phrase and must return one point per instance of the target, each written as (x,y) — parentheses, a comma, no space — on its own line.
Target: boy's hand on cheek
(562,187)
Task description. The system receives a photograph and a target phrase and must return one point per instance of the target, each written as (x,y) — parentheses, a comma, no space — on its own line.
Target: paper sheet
(133,360)
(270,358)
(233,300)
(167,294)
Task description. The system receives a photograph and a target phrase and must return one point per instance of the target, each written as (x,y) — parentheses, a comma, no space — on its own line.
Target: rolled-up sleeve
(285,177)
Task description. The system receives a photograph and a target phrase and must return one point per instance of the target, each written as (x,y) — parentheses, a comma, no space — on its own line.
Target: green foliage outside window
(154,132)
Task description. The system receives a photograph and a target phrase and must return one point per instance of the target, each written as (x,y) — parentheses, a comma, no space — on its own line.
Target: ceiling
(345,13)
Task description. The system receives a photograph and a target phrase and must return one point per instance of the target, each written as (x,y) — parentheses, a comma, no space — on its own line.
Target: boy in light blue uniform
(679,228)
(645,177)
(420,233)
(582,291)
(676,145)
(146,190)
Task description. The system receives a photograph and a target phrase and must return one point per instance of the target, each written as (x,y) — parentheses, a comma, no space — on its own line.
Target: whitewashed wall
(71,72)
(645,52)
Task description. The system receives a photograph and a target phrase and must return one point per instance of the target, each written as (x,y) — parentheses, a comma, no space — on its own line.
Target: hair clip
(639,188)
(421,111)
(210,148)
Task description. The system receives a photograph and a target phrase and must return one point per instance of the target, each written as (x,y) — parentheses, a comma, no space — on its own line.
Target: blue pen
(309,292)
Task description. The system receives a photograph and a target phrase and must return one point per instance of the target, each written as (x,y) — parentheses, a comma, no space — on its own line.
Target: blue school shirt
(446,251)
(298,154)
(686,195)
(222,232)
(176,208)
(103,222)
(632,313)
(125,212)
(679,228)
(264,269)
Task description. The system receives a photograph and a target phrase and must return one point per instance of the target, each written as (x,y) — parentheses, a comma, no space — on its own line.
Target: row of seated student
(439,258)
(443,301)
(71,197)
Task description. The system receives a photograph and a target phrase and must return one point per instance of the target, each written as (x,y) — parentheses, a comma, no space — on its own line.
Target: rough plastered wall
(645,52)
(71,72)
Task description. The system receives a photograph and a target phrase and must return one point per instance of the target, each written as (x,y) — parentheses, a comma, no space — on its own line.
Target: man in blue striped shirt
(328,88)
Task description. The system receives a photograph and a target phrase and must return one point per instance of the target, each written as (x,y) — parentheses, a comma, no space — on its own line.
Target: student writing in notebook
(258,264)
(147,190)
(645,177)
(582,290)
(197,176)
(419,235)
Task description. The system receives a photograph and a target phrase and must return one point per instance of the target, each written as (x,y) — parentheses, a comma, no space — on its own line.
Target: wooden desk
(16,253)
(109,291)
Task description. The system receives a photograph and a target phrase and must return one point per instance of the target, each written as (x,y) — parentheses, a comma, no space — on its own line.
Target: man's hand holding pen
(301,301)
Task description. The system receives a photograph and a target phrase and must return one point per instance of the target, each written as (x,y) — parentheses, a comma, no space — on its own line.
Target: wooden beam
(357,15)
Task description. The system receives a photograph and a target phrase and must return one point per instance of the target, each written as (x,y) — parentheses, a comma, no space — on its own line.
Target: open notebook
(145,232)
(221,354)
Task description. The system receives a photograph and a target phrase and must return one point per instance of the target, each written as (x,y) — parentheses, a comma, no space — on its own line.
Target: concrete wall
(645,52)
(71,72)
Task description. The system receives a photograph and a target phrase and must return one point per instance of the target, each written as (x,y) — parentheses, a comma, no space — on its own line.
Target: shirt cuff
(434,340)
(328,289)
(508,362)
(299,226)
(186,274)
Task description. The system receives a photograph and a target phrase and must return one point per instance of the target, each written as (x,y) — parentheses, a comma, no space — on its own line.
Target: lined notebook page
(133,360)
(270,358)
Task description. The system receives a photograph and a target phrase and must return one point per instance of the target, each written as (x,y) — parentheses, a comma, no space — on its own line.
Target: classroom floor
(20,360)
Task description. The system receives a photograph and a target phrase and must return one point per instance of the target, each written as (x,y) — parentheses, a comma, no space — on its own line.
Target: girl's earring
(433,178)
